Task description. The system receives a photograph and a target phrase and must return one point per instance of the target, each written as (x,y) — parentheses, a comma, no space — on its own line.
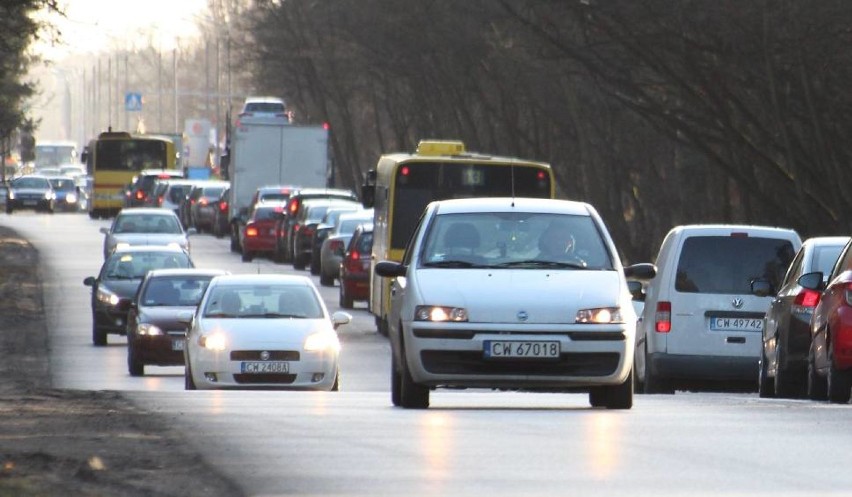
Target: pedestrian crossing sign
(133,102)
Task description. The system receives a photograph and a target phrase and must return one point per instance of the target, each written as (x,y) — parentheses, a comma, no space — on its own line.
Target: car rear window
(825,257)
(728,264)
(364,244)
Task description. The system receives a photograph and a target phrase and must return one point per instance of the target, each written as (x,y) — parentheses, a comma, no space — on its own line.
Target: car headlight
(214,341)
(148,329)
(440,313)
(105,296)
(121,245)
(71,198)
(11,195)
(322,341)
(601,315)
(49,195)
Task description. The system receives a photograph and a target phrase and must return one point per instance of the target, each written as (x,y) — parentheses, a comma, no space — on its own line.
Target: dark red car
(258,235)
(355,267)
(830,355)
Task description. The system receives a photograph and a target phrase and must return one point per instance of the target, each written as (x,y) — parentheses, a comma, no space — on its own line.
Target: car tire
(134,366)
(99,337)
(653,383)
(235,243)
(247,256)
(381,326)
(315,270)
(411,394)
(299,262)
(817,386)
(346,301)
(396,384)
(9,209)
(336,386)
(839,381)
(188,382)
(326,280)
(597,396)
(787,386)
(620,396)
(765,386)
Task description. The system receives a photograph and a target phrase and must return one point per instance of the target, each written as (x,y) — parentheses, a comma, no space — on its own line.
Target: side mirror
(390,269)
(104,230)
(191,231)
(636,290)
(812,281)
(762,288)
(643,271)
(185,317)
(368,195)
(90,281)
(340,318)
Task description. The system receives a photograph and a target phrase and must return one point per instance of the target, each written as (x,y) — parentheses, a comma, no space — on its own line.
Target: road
(353,443)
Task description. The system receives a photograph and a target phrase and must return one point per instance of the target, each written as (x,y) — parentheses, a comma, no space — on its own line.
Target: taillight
(664,317)
(160,200)
(223,206)
(354,255)
(203,201)
(140,195)
(251,231)
(806,298)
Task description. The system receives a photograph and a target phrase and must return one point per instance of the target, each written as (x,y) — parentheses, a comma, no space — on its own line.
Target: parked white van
(701,322)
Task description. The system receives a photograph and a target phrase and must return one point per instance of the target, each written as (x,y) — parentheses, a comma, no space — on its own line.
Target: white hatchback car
(512,293)
(262,331)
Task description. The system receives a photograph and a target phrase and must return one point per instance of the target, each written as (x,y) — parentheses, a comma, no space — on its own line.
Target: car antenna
(512,174)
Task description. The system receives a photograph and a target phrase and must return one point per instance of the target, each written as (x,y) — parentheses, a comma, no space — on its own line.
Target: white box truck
(269,153)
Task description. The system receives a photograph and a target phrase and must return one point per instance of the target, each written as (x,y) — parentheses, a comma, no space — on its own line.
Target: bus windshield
(54,155)
(130,155)
(418,183)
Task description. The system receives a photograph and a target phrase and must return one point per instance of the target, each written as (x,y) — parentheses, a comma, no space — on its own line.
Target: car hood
(123,288)
(148,238)
(165,317)
(501,296)
(30,191)
(260,332)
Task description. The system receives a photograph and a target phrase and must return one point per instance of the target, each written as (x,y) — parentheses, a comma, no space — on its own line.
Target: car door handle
(735,340)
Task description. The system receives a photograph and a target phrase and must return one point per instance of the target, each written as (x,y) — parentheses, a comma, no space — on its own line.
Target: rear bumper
(693,367)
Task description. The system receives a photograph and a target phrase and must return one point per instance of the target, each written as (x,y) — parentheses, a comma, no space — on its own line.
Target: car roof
(146,211)
(320,191)
(137,249)
(261,99)
(725,229)
(826,240)
(510,204)
(362,214)
(243,279)
(186,272)
(156,172)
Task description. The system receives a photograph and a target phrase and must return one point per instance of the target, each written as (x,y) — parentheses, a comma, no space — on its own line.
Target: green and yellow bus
(114,158)
(403,184)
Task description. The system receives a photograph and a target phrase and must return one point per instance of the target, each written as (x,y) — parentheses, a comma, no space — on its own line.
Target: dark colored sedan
(119,279)
(325,227)
(830,355)
(787,329)
(30,192)
(154,334)
(355,267)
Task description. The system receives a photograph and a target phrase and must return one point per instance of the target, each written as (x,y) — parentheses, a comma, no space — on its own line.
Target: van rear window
(723,264)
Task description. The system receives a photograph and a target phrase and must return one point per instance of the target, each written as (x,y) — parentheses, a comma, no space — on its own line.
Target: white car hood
(499,296)
(245,333)
(149,238)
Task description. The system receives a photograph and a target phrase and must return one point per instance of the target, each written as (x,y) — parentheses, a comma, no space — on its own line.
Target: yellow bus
(403,184)
(114,158)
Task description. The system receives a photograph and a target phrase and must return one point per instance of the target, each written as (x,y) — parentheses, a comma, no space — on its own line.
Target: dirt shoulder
(69,442)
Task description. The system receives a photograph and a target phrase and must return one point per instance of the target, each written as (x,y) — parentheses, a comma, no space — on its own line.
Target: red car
(258,235)
(355,267)
(830,355)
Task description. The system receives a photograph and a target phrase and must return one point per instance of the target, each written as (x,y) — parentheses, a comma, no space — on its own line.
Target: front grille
(473,363)
(274,355)
(456,334)
(256,379)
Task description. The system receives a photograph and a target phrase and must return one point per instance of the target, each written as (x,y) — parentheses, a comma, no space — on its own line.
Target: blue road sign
(133,102)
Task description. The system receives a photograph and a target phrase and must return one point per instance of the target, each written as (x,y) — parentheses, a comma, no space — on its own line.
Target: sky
(94,25)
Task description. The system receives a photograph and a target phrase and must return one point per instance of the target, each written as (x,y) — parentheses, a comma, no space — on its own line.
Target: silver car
(333,247)
(145,226)
(513,293)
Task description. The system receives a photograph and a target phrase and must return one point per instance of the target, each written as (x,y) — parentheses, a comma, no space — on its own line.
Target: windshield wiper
(535,263)
(219,315)
(120,277)
(273,315)
(454,264)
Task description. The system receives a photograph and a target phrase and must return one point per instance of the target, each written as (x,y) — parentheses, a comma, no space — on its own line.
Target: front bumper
(693,367)
(222,370)
(159,350)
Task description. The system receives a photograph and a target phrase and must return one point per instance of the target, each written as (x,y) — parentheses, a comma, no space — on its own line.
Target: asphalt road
(469,443)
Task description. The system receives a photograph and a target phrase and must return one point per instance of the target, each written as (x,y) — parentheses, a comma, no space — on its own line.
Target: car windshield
(151,224)
(266,213)
(515,240)
(134,266)
(262,301)
(39,183)
(175,291)
(62,183)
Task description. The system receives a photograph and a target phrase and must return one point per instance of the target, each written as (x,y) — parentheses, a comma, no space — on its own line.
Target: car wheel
(765,387)
(597,396)
(396,384)
(99,337)
(817,387)
(326,280)
(134,366)
(247,256)
(188,382)
(653,383)
(620,396)
(787,385)
(839,381)
(9,209)
(299,262)
(235,243)
(346,300)
(381,326)
(411,395)
(315,270)
(336,386)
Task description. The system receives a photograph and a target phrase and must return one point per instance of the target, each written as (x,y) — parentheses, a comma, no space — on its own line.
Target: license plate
(736,324)
(30,202)
(501,349)
(178,344)
(265,367)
